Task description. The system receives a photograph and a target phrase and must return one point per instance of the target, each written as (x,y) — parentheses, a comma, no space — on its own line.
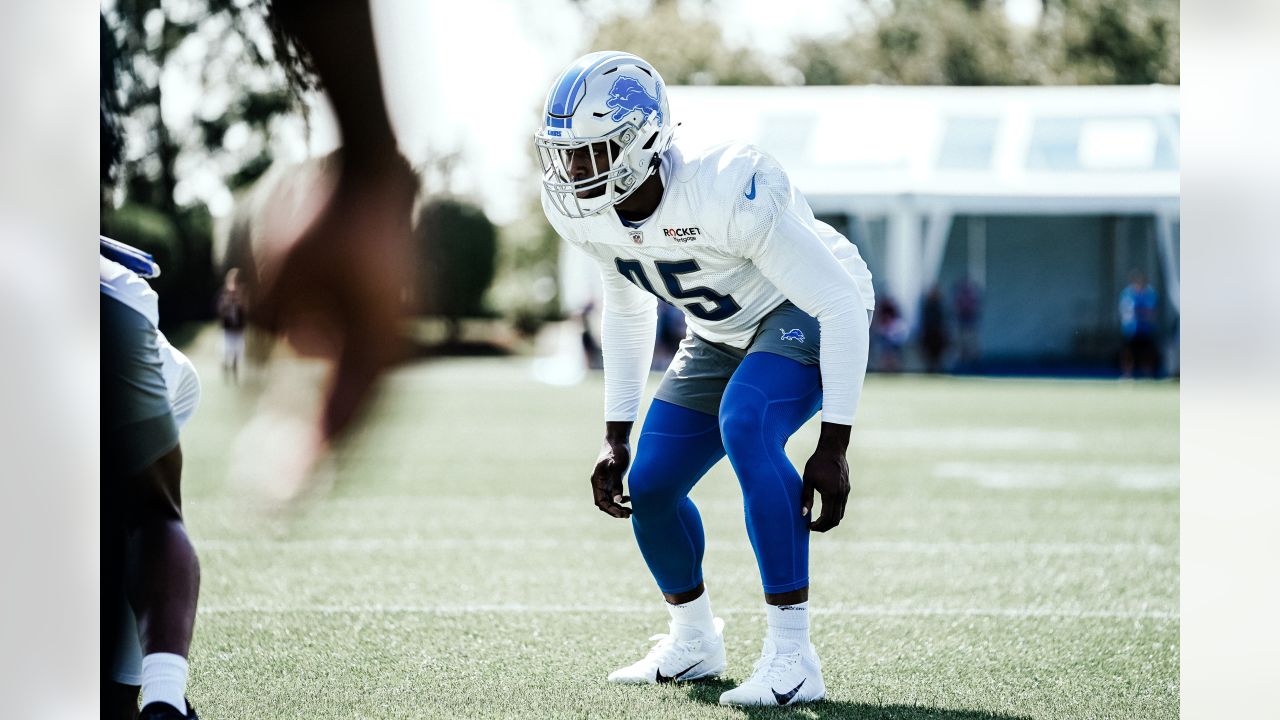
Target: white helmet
(613,98)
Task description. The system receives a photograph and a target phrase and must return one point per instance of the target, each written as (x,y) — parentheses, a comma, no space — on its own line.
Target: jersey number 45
(722,306)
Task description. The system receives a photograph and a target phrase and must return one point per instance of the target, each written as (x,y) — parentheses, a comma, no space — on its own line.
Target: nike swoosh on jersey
(783,699)
(665,679)
(751,194)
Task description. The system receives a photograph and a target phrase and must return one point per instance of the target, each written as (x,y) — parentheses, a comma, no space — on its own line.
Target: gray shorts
(137,426)
(701,369)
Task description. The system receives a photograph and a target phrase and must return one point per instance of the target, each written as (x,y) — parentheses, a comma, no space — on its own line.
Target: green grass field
(1010,551)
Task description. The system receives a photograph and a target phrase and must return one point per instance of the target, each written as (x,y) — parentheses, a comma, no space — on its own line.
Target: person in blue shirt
(1138,304)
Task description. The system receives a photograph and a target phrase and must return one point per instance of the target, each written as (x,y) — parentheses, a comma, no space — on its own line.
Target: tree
(922,42)
(1105,42)
(110,139)
(148,229)
(195,93)
(971,42)
(686,49)
(220,53)
(458,249)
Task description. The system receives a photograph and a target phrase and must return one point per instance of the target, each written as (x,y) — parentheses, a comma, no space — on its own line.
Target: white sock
(789,626)
(693,618)
(164,679)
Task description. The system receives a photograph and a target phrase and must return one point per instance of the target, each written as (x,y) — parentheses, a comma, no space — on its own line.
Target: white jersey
(180,377)
(730,240)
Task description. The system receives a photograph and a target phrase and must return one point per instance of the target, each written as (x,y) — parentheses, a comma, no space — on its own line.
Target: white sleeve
(180,379)
(787,249)
(628,325)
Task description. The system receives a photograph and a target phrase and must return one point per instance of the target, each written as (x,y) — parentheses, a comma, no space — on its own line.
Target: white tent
(919,156)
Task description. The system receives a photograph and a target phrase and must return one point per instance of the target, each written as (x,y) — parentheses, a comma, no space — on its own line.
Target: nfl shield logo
(637,237)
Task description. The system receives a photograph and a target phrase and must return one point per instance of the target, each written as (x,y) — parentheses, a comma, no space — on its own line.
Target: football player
(148,390)
(778,307)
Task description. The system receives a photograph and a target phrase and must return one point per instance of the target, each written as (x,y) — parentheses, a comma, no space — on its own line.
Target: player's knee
(650,488)
(741,424)
(646,491)
(155,494)
(167,538)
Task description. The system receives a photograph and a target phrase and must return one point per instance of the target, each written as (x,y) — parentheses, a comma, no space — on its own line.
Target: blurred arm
(346,306)
(339,38)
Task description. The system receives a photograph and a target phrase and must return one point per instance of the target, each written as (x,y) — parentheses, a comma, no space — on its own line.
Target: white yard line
(719,498)
(844,610)
(968,439)
(818,546)
(1021,475)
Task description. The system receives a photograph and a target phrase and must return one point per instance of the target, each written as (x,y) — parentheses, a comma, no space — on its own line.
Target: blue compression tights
(768,398)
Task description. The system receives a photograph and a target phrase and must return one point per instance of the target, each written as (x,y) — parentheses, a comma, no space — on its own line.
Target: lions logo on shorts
(795,334)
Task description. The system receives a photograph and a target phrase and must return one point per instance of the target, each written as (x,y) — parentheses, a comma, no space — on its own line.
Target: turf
(1010,552)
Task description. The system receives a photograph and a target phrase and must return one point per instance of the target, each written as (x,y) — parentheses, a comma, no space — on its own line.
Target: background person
(934,338)
(232,313)
(1138,303)
(967,301)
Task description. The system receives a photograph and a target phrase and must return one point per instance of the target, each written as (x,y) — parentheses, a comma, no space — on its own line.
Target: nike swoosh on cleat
(665,679)
(783,699)
(751,195)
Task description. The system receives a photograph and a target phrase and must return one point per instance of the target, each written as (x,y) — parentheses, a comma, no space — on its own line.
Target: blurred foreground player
(149,567)
(332,283)
(778,308)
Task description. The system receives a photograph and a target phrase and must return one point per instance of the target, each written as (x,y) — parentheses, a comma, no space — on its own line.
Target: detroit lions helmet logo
(795,334)
(627,96)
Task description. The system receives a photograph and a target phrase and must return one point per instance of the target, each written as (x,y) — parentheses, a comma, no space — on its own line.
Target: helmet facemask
(631,161)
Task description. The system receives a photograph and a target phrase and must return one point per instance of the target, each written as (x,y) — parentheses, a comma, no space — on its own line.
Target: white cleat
(780,679)
(676,659)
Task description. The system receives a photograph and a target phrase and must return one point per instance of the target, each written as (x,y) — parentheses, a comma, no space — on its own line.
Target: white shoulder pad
(702,165)
(120,283)
(722,178)
(760,193)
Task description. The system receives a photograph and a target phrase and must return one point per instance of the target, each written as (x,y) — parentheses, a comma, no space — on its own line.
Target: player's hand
(611,465)
(335,289)
(827,473)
